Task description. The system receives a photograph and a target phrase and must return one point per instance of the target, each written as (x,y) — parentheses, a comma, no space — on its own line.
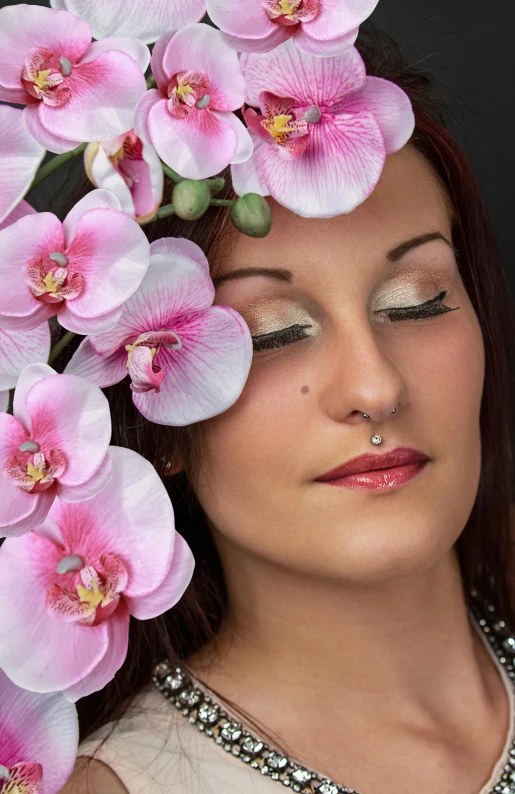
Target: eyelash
(277,339)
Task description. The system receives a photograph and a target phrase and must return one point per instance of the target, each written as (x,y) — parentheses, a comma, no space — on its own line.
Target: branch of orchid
(151,82)
(216,184)
(55,163)
(60,345)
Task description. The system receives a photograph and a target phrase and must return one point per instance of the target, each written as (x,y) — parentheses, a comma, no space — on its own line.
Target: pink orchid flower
(83,269)
(139,18)
(19,211)
(20,158)
(74,90)
(18,349)
(188,117)
(322,136)
(54,444)
(81,574)
(131,170)
(318,27)
(39,735)
(187,359)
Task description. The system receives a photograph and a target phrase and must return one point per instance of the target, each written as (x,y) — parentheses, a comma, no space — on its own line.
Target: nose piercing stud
(377,439)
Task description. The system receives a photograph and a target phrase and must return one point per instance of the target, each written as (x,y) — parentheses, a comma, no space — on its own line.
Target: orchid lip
(66,66)
(74,562)
(29,446)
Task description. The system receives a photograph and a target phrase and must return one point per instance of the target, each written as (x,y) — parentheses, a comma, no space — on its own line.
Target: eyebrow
(281,274)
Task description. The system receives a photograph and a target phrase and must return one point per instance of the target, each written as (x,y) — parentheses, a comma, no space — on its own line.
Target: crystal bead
(190,697)
(161,670)
(509,644)
(252,746)
(277,761)
(327,788)
(301,775)
(208,713)
(174,681)
(231,731)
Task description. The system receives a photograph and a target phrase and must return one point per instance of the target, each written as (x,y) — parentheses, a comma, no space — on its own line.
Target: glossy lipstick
(373,472)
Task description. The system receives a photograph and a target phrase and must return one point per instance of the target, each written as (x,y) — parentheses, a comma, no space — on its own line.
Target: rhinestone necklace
(202,710)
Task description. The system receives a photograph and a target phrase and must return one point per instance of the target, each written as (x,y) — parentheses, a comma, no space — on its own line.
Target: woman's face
(301,411)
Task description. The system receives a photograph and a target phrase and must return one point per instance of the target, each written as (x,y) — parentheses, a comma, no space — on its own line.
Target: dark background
(468,44)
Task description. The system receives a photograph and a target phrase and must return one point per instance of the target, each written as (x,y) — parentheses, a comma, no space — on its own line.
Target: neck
(402,645)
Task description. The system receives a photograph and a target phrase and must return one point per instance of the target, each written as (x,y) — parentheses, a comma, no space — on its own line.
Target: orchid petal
(156,61)
(104,175)
(61,655)
(389,105)
(103,97)
(310,80)
(205,377)
(248,20)
(245,145)
(112,253)
(20,211)
(89,325)
(196,146)
(138,51)
(79,493)
(20,348)
(95,199)
(336,17)
(102,370)
(140,19)
(202,47)
(117,645)
(31,375)
(246,177)
(20,158)
(41,727)
(20,511)
(54,143)
(325,49)
(173,587)
(278,34)
(142,112)
(180,246)
(4,400)
(337,172)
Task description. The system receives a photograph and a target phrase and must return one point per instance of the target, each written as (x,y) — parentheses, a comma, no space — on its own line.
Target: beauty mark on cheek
(304,390)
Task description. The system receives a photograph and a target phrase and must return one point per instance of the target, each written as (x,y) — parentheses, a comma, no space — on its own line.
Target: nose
(359,378)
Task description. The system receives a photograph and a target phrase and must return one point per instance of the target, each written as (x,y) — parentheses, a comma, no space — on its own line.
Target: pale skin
(348,633)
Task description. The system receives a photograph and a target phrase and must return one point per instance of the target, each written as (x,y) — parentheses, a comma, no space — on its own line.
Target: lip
(396,459)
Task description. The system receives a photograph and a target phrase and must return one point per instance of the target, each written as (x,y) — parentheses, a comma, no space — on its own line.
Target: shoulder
(93,777)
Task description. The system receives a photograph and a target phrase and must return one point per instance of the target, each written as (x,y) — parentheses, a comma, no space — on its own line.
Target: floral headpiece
(276,90)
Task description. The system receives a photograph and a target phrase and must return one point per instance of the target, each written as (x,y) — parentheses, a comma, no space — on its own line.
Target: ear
(173,466)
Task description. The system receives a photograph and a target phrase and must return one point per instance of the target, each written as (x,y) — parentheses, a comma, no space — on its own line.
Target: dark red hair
(485,546)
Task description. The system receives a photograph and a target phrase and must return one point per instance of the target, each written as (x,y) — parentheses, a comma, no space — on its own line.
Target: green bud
(190,199)
(252,215)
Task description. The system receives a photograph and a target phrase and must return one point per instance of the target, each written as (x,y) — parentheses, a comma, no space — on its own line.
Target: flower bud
(190,199)
(251,214)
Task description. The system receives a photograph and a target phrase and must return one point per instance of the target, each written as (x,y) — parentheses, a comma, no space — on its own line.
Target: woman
(343,622)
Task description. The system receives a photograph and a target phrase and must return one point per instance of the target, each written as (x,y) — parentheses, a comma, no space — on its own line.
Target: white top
(155,750)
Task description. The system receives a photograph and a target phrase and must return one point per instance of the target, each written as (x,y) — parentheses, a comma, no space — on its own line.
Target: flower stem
(164,212)
(53,164)
(174,176)
(222,202)
(151,82)
(60,345)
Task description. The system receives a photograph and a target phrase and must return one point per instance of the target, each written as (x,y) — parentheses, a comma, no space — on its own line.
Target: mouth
(372,472)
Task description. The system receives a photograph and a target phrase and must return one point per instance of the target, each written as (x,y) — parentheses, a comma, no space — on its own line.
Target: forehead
(409,200)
